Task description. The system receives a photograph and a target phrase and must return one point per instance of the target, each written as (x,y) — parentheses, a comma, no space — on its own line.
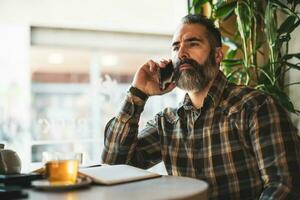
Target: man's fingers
(164,62)
(152,66)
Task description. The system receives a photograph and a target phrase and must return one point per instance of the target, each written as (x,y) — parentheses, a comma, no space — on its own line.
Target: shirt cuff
(131,108)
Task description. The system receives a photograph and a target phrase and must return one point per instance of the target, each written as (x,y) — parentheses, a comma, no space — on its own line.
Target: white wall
(294,75)
(14,88)
(155,16)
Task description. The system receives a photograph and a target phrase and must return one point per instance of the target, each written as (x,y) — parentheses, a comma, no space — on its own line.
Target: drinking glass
(61,168)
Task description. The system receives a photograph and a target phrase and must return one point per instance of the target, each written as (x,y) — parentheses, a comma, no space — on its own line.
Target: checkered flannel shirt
(241,142)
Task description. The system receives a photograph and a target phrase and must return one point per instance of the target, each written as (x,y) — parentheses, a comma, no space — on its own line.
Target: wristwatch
(137,92)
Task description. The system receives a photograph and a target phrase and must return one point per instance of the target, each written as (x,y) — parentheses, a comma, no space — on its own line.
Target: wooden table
(165,187)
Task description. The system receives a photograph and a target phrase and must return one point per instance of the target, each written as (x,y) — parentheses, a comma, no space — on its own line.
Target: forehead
(184,31)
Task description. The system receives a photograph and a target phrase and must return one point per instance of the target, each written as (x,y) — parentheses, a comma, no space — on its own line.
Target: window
(77,86)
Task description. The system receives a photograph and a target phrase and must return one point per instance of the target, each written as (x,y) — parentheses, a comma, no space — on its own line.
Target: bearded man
(239,140)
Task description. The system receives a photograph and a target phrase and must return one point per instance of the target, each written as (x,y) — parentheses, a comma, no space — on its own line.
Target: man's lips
(184,67)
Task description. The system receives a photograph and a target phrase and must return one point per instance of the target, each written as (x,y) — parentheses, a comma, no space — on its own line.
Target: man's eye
(194,44)
(175,48)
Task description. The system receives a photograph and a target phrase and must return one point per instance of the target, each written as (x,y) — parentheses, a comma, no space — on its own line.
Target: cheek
(200,55)
(200,59)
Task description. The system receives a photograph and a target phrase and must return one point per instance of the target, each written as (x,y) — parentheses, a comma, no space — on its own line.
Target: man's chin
(190,86)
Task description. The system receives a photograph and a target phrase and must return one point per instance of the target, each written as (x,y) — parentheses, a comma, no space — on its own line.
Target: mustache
(193,63)
(188,61)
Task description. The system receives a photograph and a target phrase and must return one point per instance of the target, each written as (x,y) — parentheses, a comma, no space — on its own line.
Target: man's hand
(146,78)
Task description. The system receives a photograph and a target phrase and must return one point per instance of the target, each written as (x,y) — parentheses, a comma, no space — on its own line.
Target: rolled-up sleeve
(123,144)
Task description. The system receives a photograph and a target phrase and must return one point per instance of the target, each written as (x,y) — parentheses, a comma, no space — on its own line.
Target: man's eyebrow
(192,39)
(175,43)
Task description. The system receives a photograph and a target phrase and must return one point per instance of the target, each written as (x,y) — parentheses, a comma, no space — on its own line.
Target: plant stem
(189,6)
(283,70)
(254,41)
(272,62)
(295,83)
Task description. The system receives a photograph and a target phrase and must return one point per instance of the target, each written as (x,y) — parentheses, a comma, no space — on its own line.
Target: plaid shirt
(241,142)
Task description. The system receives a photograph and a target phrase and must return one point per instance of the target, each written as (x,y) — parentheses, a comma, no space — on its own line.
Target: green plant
(257,53)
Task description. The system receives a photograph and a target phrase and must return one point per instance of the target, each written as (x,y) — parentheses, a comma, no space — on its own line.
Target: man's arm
(123,144)
(277,149)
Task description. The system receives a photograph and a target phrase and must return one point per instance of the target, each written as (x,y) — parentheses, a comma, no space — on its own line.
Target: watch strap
(137,92)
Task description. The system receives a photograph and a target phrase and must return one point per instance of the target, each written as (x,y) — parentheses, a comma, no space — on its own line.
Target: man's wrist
(137,92)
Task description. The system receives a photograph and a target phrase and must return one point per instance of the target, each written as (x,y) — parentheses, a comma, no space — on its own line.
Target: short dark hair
(214,34)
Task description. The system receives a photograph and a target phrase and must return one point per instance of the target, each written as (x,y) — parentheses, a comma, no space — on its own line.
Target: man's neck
(197,97)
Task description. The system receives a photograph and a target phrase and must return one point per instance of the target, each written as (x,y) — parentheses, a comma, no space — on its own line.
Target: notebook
(115,174)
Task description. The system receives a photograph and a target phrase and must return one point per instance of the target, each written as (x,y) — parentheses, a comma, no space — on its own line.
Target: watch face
(166,76)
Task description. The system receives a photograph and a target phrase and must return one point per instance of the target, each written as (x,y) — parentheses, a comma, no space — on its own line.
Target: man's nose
(182,53)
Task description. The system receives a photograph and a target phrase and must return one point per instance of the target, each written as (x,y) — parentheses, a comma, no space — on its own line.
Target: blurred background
(65,66)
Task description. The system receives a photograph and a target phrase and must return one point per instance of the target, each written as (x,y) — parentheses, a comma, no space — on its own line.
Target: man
(237,139)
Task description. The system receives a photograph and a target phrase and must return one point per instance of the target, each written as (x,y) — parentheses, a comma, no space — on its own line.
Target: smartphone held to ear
(166,76)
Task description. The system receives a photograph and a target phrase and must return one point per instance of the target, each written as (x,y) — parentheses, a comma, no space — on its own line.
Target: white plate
(46,185)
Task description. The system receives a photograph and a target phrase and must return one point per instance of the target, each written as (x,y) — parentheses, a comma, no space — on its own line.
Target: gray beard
(192,80)
(197,77)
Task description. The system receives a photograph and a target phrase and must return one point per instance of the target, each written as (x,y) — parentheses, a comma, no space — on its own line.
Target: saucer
(46,185)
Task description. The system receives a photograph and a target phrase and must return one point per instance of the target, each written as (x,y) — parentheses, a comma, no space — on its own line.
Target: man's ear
(219,55)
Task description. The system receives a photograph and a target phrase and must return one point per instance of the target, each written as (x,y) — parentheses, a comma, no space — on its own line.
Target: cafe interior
(66,66)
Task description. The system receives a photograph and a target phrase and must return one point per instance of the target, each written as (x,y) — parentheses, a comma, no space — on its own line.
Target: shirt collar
(214,94)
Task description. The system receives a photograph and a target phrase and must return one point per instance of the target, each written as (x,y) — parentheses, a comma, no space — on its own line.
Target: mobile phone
(12,192)
(166,76)
(19,179)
